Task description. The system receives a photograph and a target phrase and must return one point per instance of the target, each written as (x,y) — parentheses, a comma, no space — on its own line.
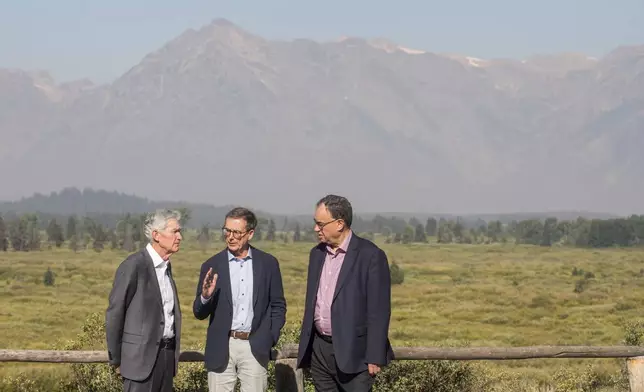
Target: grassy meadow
(478,295)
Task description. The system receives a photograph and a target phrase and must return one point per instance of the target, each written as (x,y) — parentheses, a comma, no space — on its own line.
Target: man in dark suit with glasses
(344,338)
(240,290)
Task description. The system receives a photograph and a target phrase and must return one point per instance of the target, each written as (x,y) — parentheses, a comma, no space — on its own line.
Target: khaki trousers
(243,365)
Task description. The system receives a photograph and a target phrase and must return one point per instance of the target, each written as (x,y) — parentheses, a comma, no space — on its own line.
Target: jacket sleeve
(200,309)
(277,302)
(123,289)
(378,308)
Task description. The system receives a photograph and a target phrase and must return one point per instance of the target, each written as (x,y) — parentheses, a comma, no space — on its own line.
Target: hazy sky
(102,39)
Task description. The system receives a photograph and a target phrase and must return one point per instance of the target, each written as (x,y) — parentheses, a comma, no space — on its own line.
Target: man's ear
(250,234)
(342,225)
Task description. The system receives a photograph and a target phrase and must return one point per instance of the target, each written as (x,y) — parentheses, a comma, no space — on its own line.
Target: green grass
(480,295)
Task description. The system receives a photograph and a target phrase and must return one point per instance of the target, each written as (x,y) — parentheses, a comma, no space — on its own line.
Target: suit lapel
(316,271)
(224,276)
(257,274)
(177,309)
(176,294)
(149,265)
(347,265)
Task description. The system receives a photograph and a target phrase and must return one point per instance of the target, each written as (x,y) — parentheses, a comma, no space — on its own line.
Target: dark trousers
(160,380)
(326,375)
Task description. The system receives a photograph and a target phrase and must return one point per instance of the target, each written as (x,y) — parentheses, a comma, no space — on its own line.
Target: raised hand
(209,284)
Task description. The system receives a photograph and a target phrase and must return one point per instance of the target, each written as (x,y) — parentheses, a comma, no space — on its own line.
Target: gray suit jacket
(134,318)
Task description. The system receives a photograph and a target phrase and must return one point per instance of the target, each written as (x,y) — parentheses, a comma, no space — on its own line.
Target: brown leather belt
(239,335)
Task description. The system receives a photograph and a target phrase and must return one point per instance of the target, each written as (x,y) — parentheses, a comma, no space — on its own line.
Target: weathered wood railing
(288,378)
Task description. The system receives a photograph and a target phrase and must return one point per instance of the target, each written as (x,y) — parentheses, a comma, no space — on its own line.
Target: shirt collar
(231,257)
(343,246)
(156,259)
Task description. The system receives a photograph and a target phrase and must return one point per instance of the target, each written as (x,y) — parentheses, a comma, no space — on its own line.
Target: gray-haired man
(143,318)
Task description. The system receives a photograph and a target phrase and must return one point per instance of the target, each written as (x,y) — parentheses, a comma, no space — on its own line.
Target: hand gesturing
(209,284)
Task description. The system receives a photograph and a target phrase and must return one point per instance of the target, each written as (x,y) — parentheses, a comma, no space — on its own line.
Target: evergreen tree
(419,235)
(4,242)
(33,232)
(204,237)
(19,235)
(73,243)
(408,235)
(128,238)
(100,237)
(48,278)
(270,235)
(71,227)
(114,240)
(55,233)
(431,227)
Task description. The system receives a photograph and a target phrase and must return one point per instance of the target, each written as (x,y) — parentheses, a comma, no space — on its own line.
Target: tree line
(582,232)
(25,232)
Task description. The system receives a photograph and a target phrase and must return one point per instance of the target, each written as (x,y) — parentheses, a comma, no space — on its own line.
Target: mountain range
(221,116)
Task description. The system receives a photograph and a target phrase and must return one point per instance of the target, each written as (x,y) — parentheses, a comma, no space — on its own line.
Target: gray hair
(159,221)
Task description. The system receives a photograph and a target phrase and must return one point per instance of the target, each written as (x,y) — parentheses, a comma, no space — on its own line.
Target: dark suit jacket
(134,319)
(360,310)
(269,308)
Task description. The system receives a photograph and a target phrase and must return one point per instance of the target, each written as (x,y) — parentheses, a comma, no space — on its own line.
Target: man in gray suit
(143,318)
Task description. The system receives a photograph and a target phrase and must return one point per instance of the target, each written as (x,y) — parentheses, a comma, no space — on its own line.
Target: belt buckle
(239,335)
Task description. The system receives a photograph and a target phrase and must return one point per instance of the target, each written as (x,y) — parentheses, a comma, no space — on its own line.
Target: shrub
(397,274)
(590,380)
(48,278)
(633,333)
(421,376)
(580,286)
(541,301)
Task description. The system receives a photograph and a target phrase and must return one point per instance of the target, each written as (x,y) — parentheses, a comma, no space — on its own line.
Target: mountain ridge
(88,202)
(424,130)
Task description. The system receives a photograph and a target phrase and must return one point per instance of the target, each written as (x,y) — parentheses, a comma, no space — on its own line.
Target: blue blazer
(269,307)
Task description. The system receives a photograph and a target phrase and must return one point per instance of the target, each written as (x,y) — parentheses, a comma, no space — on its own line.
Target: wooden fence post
(287,377)
(636,373)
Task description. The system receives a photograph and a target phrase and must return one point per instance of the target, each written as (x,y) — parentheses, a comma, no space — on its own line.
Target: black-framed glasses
(322,224)
(235,233)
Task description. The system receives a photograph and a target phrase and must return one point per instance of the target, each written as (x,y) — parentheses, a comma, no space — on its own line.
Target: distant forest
(96,219)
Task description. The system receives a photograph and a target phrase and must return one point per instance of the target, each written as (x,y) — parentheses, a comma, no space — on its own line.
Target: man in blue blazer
(240,289)
(344,339)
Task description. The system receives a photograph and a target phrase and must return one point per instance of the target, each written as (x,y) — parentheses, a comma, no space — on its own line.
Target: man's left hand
(373,369)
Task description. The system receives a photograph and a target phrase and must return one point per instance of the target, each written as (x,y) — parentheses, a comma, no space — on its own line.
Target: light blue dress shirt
(241,287)
(241,284)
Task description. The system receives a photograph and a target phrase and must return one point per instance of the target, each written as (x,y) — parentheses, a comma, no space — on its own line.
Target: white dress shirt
(167,294)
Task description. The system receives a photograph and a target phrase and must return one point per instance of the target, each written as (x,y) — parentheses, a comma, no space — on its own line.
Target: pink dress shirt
(326,287)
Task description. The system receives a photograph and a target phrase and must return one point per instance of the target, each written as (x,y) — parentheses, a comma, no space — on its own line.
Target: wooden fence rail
(288,378)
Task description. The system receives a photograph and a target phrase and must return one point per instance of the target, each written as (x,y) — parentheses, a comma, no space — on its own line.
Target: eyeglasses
(235,233)
(321,225)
